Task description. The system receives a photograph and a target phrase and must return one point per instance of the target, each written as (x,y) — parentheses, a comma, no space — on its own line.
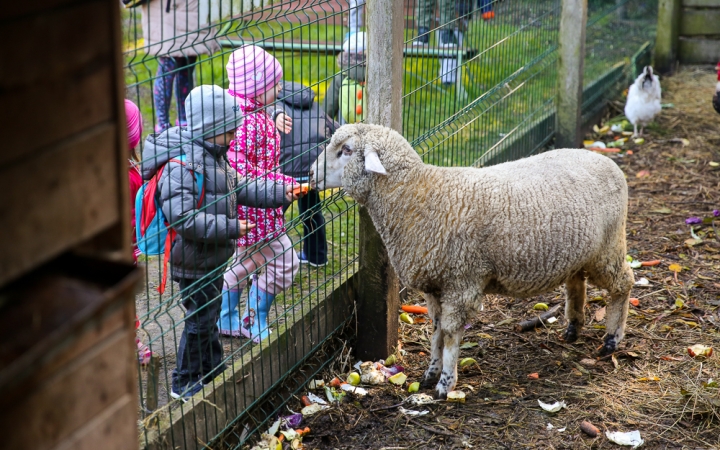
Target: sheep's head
(359,156)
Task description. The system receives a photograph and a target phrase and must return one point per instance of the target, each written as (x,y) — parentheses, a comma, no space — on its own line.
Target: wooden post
(153,379)
(378,287)
(573,20)
(666,40)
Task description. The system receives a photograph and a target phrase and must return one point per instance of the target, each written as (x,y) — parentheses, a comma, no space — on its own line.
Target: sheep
(518,229)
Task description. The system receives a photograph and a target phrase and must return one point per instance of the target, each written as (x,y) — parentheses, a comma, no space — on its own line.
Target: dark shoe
(447,39)
(423,37)
(186,392)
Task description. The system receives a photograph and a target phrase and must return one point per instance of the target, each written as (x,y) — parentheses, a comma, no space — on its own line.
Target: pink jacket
(255,152)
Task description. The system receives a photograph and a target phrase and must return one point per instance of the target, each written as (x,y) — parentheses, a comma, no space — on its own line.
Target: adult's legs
(162,91)
(183,85)
(314,240)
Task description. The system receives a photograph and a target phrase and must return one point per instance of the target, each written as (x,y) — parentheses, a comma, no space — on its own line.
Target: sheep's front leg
(432,374)
(617,309)
(451,350)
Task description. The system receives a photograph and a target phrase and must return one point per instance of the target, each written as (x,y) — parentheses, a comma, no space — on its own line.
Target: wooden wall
(688,33)
(67,358)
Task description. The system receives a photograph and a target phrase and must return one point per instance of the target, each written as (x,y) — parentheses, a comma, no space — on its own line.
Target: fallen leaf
(643,174)
(410,412)
(670,358)
(631,438)
(588,362)
(675,268)
(467,345)
(484,336)
(614,360)
(649,379)
(600,314)
(576,372)
(552,408)
(662,211)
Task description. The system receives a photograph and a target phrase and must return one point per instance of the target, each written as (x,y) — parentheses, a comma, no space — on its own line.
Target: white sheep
(518,229)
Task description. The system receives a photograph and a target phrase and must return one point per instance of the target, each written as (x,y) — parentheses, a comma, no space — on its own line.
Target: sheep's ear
(373,164)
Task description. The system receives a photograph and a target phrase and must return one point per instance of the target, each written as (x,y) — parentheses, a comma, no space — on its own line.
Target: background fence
(489,98)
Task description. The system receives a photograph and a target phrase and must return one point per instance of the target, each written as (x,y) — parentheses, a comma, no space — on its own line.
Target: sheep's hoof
(429,382)
(437,395)
(609,347)
(571,333)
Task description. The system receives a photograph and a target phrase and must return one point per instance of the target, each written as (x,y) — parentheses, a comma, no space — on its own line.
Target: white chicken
(643,100)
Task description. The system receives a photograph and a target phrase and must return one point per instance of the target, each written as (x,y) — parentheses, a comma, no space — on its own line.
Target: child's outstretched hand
(294,191)
(245,227)
(284,123)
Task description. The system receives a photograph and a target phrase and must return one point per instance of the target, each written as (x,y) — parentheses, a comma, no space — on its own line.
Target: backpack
(152,231)
(352,100)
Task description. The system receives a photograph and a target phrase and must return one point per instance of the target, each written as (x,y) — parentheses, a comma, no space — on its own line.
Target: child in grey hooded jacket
(206,222)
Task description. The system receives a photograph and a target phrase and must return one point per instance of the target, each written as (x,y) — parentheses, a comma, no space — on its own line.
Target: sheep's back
(526,225)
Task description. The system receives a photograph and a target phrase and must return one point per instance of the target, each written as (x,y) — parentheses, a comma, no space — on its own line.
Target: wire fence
(479,88)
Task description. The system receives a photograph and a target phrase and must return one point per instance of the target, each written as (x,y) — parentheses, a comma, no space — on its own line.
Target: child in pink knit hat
(254,82)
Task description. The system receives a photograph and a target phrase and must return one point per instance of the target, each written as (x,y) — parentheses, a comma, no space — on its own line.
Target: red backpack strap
(172,234)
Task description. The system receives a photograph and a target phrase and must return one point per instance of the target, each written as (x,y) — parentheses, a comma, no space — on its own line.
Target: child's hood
(171,143)
(297,95)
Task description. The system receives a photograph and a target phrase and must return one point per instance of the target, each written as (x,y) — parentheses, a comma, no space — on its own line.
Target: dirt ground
(651,384)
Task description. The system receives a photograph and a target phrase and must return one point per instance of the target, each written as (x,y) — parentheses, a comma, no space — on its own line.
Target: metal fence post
(666,40)
(573,20)
(378,290)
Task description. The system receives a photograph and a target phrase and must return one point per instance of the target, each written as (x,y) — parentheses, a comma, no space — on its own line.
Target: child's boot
(255,319)
(229,322)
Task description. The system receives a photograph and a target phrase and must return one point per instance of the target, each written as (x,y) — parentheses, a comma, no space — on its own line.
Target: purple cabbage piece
(293,420)
(716,212)
(693,220)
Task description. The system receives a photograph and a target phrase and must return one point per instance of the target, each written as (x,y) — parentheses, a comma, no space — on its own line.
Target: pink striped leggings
(279,259)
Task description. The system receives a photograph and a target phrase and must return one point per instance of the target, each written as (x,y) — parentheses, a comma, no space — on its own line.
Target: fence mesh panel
(479,88)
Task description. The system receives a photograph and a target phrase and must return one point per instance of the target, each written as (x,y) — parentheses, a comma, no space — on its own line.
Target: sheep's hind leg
(432,374)
(617,309)
(575,291)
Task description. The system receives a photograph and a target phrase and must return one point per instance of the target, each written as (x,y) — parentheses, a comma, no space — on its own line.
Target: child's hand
(245,227)
(291,193)
(283,122)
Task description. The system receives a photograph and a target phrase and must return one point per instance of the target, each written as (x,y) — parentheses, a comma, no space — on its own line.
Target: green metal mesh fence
(479,88)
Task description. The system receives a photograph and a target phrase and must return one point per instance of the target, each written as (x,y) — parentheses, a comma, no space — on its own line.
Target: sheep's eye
(346,150)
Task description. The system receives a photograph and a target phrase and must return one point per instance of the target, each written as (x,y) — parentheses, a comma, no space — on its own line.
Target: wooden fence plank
(67,194)
(701,3)
(573,21)
(699,50)
(695,22)
(666,45)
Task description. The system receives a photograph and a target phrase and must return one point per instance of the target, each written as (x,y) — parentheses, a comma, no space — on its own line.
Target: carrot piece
(281,437)
(415,309)
(634,302)
(655,262)
(604,150)
(335,382)
(305,400)
(302,189)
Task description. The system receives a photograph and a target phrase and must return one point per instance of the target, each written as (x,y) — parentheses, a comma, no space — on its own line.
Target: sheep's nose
(312,172)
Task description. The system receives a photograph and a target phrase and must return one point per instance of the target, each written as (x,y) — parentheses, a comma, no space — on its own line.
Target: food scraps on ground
(414,387)
(369,374)
(312,409)
(415,309)
(316,384)
(456,396)
(354,389)
(406,318)
(420,399)
(535,322)
(655,262)
(631,438)
(465,362)
(305,400)
(390,360)
(534,376)
(589,429)
(552,408)
(541,307)
(700,350)
(635,302)
(315,399)
(398,378)
(335,382)
(353,379)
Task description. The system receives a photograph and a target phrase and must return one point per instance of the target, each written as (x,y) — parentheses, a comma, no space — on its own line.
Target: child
(341,99)
(299,149)
(134,129)
(254,78)
(206,235)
